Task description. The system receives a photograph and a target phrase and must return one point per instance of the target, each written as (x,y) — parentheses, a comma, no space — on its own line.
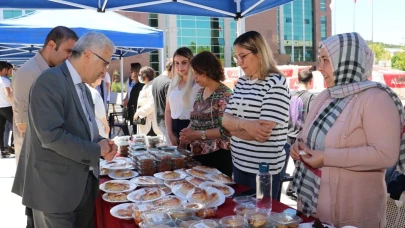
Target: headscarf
(352,63)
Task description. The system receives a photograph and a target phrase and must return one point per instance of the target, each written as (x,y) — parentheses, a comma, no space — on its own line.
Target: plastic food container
(178,162)
(168,224)
(145,160)
(186,221)
(244,199)
(207,212)
(285,220)
(256,218)
(232,221)
(240,209)
(207,223)
(154,218)
(180,213)
(140,209)
(194,206)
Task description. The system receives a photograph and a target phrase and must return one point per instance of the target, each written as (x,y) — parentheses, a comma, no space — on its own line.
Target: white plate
(182,201)
(209,176)
(132,186)
(139,183)
(209,184)
(111,174)
(188,171)
(112,201)
(127,160)
(209,170)
(131,196)
(104,173)
(167,183)
(160,176)
(176,191)
(309,225)
(217,203)
(118,164)
(114,210)
(189,180)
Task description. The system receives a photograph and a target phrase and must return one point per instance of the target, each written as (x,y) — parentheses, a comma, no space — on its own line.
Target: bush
(116,87)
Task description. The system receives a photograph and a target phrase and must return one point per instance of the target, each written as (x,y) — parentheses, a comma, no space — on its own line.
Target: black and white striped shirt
(266,100)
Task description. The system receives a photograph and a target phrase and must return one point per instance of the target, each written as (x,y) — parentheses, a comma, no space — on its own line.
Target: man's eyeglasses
(106,63)
(240,58)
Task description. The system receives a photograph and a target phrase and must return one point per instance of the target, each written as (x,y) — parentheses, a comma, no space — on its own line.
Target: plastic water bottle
(263,187)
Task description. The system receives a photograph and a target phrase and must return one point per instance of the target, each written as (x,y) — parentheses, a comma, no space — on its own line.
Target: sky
(389,19)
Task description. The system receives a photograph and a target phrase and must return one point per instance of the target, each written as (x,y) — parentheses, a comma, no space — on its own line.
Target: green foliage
(398,61)
(384,44)
(379,52)
(116,87)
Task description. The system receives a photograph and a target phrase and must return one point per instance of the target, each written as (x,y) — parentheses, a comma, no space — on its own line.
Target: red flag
(355,1)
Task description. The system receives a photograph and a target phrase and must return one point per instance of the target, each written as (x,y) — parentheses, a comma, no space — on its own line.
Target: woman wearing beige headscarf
(352,134)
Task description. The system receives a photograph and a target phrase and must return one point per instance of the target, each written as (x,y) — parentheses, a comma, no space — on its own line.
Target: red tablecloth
(103,218)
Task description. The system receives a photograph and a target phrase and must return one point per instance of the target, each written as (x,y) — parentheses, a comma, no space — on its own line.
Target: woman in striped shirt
(257,113)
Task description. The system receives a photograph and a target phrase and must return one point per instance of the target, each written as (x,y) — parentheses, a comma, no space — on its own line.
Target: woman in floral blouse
(209,142)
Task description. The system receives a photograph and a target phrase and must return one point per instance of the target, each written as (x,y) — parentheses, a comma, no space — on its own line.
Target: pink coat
(362,143)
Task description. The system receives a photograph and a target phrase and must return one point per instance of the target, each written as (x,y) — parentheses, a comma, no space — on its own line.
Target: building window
(288,20)
(323,5)
(307,21)
(154,55)
(12,13)
(323,27)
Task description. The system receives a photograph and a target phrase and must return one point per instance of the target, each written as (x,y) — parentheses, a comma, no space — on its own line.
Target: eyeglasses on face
(240,58)
(106,63)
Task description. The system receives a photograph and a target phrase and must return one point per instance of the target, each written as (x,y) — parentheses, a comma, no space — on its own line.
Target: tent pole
(162,60)
(122,77)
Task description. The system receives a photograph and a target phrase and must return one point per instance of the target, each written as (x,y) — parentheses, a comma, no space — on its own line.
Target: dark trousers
(220,159)
(178,125)
(8,130)
(81,217)
(6,114)
(249,179)
(30,218)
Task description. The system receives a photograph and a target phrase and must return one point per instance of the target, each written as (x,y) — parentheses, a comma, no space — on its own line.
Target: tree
(379,52)
(398,61)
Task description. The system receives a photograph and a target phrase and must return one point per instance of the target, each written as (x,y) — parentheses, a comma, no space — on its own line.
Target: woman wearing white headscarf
(352,134)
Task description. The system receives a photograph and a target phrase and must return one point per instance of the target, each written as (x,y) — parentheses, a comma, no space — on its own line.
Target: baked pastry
(199,195)
(114,186)
(185,188)
(197,173)
(196,181)
(126,212)
(168,201)
(147,180)
(104,171)
(171,184)
(122,196)
(212,198)
(151,194)
(170,175)
(223,189)
(123,173)
(257,220)
(205,168)
(222,177)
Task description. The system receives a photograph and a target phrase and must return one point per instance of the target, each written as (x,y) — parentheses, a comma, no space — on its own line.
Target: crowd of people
(57,102)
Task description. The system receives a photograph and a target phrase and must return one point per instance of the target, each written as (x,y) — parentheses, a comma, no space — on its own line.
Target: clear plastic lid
(141,208)
(185,222)
(285,219)
(207,223)
(244,199)
(241,209)
(207,212)
(179,213)
(194,206)
(256,217)
(154,218)
(232,221)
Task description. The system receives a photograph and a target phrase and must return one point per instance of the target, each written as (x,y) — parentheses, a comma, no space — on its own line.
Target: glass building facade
(298,28)
(154,55)
(323,27)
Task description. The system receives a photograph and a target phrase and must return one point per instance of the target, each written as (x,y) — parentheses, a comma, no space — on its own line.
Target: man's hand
(21,127)
(125,102)
(105,147)
(113,149)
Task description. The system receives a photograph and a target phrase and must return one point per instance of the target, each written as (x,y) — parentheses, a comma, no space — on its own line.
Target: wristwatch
(203,135)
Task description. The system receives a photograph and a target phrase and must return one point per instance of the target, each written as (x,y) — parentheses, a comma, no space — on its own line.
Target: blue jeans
(249,179)
(7,132)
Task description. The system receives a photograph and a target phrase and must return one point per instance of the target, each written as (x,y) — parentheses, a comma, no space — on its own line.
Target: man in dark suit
(58,170)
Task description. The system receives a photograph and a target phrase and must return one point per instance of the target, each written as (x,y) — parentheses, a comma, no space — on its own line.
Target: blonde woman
(257,113)
(181,95)
(146,104)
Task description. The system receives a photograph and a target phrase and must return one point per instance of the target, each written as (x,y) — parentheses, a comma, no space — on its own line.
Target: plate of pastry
(225,189)
(123,211)
(170,184)
(196,181)
(197,173)
(104,171)
(169,202)
(120,197)
(220,178)
(170,175)
(117,164)
(206,169)
(146,181)
(181,190)
(116,186)
(146,195)
(211,197)
(122,174)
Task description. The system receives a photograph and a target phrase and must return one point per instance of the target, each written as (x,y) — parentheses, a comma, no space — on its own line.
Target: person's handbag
(125,113)
(396,212)
(140,121)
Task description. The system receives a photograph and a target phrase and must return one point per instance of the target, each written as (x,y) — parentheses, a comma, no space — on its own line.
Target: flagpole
(372,21)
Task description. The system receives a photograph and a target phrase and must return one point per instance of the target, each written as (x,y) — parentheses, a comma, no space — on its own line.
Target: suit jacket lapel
(76,99)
